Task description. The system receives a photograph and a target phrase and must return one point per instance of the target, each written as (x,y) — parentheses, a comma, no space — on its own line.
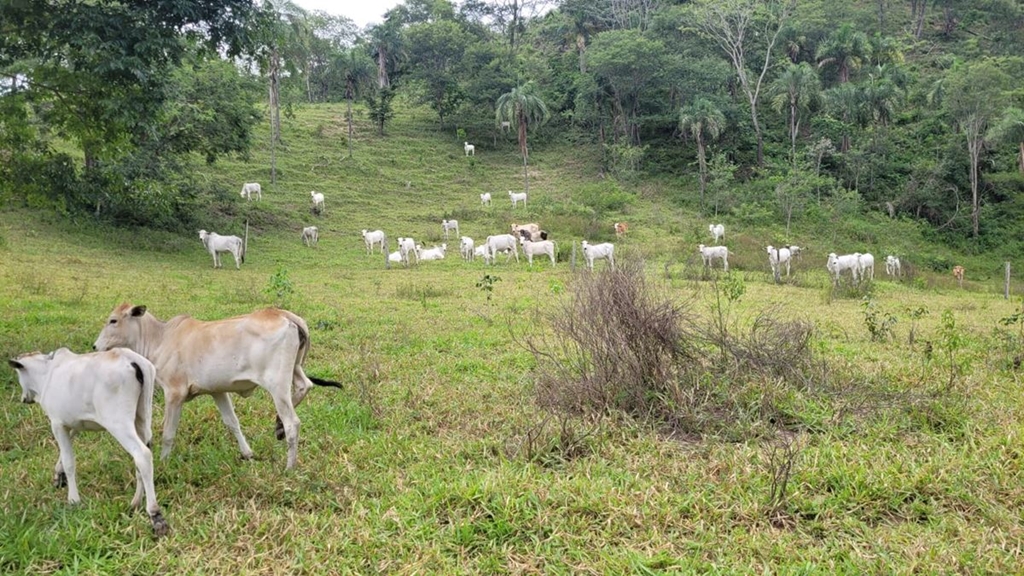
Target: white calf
(779,256)
(448,225)
(717,231)
(531,249)
(407,246)
(110,391)
(867,266)
(482,252)
(796,251)
(517,197)
(485,198)
(501,243)
(892,266)
(395,256)
(215,244)
(466,248)
(318,201)
(711,253)
(836,265)
(593,252)
(373,238)
(469,148)
(310,235)
(250,188)
(435,253)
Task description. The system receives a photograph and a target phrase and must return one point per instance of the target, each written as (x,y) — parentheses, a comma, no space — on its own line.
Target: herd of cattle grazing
(112,388)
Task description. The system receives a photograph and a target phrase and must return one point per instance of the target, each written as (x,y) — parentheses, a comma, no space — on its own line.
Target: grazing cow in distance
(892,266)
(263,349)
(110,391)
(717,231)
(517,197)
(250,188)
(449,225)
(621,228)
(469,148)
(215,244)
(836,265)
(867,266)
(605,251)
(778,257)
(501,243)
(485,199)
(958,273)
(711,253)
(529,231)
(318,201)
(373,238)
(310,236)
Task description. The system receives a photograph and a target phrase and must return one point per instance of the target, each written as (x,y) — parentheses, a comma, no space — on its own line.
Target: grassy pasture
(416,466)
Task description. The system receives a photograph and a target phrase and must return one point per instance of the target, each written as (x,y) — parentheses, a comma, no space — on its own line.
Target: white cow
(605,251)
(485,198)
(407,246)
(717,231)
(318,201)
(529,231)
(215,244)
(448,225)
(467,248)
(836,265)
(310,235)
(373,238)
(531,249)
(250,188)
(892,266)
(778,257)
(711,253)
(395,256)
(517,197)
(482,252)
(110,391)
(435,253)
(263,349)
(867,266)
(501,243)
(469,148)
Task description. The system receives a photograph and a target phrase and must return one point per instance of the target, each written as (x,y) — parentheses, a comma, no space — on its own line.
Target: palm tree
(846,102)
(523,106)
(1010,128)
(704,121)
(285,21)
(386,48)
(846,48)
(797,89)
(356,69)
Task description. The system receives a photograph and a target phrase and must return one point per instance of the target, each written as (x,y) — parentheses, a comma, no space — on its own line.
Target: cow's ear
(15,364)
(138,310)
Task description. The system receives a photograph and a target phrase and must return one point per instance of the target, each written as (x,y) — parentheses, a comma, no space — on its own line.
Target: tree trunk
(524,150)
(349,117)
(581,45)
(382,69)
(974,148)
(881,17)
(760,137)
(702,162)
(793,127)
(275,113)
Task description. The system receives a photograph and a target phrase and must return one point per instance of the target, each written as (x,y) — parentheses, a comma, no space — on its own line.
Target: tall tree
(586,18)
(795,90)
(974,97)
(846,103)
(435,52)
(728,23)
(1010,129)
(846,49)
(523,106)
(386,48)
(705,122)
(631,63)
(356,69)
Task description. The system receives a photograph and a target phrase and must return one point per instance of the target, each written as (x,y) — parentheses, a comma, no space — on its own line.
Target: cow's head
(123,328)
(32,369)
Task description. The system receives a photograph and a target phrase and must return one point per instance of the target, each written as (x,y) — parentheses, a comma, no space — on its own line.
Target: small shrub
(279,287)
(879,324)
(487,284)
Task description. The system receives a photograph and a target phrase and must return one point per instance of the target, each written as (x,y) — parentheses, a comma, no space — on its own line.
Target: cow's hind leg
(67,456)
(128,438)
(290,423)
(227,414)
(172,414)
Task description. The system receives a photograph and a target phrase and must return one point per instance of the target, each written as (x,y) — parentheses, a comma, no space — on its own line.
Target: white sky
(362,12)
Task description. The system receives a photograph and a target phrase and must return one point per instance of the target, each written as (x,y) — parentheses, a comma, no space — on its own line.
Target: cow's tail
(145,375)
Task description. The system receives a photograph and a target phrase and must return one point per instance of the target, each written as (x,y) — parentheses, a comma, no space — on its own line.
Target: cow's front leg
(227,414)
(67,457)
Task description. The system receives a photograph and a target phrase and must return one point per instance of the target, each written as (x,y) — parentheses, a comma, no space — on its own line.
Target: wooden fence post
(1006,283)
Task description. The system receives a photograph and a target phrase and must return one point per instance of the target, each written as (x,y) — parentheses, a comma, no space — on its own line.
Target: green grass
(414,467)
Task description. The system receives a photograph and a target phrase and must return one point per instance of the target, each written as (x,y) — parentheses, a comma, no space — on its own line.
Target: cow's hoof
(160,527)
(60,480)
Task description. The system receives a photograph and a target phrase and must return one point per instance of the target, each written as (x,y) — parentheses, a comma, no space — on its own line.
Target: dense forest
(910,109)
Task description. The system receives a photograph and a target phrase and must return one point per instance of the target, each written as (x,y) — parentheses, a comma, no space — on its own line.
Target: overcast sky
(363,12)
